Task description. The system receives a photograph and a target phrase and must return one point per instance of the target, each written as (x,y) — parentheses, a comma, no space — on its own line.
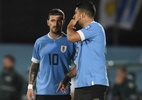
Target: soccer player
(52,55)
(91,75)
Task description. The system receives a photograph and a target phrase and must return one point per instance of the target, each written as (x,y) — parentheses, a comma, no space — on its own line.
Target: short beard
(58,32)
(79,24)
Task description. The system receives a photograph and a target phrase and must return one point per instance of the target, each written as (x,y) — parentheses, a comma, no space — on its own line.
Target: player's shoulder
(96,24)
(64,35)
(93,25)
(42,38)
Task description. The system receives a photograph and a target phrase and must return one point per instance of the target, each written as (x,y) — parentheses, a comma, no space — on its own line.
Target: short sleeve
(35,55)
(88,32)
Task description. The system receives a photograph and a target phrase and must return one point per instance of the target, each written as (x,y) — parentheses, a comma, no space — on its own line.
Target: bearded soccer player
(91,75)
(52,55)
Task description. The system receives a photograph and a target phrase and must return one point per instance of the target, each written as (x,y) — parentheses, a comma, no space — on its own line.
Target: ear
(47,22)
(83,14)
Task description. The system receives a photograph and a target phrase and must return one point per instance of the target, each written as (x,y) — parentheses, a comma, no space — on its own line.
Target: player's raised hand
(30,94)
(61,87)
(74,21)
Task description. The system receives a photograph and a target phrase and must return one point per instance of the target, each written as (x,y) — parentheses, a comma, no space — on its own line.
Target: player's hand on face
(30,94)
(74,21)
(62,87)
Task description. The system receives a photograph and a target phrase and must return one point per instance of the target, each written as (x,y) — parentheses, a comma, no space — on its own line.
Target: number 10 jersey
(54,57)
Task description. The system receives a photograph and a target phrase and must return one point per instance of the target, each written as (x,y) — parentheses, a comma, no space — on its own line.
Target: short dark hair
(10,57)
(87,7)
(56,11)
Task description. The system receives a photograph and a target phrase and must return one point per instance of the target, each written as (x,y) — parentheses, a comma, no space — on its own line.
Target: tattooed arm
(32,77)
(72,73)
(33,72)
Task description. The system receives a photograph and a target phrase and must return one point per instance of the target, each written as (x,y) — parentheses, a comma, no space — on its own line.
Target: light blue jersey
(90,61)
(54,57)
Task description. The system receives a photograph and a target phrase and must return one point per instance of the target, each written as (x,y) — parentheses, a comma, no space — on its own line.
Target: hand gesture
(73,21)
(62,87)
(30,94)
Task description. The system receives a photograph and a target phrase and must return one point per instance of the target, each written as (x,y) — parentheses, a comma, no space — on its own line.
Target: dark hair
(87,7)
(56,11)
(10,57)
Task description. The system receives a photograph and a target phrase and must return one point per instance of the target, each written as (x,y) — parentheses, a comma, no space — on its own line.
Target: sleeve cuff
(34,60)
(81,35)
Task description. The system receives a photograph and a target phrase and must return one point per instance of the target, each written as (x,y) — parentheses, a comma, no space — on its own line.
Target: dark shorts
(53,97)
(96,92)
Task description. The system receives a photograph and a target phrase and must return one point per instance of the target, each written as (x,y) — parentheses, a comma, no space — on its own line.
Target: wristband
(66,79)
(30,86)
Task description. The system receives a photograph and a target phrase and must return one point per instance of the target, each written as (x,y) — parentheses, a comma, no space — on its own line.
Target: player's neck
(55,36)
(87,21)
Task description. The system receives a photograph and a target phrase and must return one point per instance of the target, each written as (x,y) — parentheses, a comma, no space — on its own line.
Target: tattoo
(72,73)
(33,72)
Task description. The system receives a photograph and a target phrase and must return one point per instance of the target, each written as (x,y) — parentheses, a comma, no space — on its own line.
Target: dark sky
(23,21)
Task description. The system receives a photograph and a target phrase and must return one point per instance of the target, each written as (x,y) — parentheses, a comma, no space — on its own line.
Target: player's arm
(72,73)
(33,72)
(32,77)
(69,75)
(66,80)
(73,36)
(83,34)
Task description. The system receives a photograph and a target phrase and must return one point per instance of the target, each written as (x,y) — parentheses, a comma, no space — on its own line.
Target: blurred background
(23,21)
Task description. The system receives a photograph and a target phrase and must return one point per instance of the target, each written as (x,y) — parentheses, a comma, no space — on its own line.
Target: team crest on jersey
(63,48)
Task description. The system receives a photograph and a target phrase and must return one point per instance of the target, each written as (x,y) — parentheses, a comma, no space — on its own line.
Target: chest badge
(63,48)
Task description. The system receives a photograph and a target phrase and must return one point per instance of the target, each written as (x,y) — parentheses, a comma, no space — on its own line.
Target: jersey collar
(88,26)
(93,22)
(56,38)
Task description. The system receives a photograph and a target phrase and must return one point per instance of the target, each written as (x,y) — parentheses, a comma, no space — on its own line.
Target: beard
(56,30)
(79,24)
